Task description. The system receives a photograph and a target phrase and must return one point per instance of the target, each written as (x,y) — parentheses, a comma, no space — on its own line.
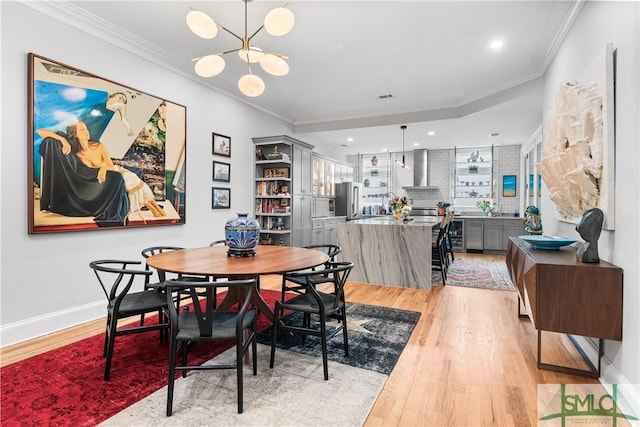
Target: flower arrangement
(399,207)
(442,208)
(485,206)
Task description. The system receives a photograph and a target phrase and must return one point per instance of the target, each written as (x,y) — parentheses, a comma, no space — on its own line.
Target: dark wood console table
(564,295)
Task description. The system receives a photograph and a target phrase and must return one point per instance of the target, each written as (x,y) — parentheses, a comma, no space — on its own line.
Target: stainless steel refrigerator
(348,200)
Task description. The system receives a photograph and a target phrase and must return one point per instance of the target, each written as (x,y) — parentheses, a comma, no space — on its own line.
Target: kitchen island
(385,252)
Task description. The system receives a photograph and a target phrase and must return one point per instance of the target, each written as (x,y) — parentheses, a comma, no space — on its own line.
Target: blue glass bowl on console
(549,243)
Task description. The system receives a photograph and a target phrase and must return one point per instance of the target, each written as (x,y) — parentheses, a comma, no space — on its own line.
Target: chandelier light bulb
(201,24)
(251,85)
(255,54)
(279,21)
(209,66)
(274,65)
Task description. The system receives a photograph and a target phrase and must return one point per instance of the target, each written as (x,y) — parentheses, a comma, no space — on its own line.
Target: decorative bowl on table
(550,243)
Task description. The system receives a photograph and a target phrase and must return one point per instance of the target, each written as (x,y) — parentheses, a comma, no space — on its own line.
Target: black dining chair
(206,323)
(449,242)
(439,258)
(162,276)
(292,281)
(309,300)
(116,278)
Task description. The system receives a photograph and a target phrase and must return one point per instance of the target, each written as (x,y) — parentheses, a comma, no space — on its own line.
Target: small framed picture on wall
(508,186)
(220,198)
(221,144)
(221,171)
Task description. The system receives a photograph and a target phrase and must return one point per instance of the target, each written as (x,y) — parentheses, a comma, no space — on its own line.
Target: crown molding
(555,31)
(79,18)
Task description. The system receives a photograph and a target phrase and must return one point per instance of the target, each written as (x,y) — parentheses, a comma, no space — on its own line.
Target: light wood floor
(469,362)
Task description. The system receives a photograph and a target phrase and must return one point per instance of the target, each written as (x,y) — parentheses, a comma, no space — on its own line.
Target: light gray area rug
(477,274)
(293,393)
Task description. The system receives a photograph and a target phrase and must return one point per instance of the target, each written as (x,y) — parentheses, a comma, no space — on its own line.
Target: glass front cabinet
(375,173)
(473,180)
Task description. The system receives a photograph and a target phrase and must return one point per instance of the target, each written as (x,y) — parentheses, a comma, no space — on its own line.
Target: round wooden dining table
(213,261)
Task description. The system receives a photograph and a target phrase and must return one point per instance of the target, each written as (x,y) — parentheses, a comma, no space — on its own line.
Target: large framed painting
(102,155)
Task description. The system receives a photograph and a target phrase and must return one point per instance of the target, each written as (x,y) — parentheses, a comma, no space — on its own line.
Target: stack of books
(278,155)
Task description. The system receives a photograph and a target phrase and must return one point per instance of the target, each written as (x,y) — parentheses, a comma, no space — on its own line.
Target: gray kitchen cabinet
(302,225)
(511,228)
(498,231)
(325,231)
(493,240)
(473,234)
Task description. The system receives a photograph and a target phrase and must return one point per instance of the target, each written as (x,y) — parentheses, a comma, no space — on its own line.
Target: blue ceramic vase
(241,235)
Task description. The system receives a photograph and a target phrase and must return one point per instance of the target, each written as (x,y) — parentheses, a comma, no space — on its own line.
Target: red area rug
(64,387)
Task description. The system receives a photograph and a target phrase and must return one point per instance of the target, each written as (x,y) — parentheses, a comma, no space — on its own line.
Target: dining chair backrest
(121,276)
(206,318)
(337,272)
(155,250)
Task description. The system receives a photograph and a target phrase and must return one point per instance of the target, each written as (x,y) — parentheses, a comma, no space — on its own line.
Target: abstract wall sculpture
(577,163)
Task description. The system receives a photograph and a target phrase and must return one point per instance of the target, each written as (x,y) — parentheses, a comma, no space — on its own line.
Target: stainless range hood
(420,172)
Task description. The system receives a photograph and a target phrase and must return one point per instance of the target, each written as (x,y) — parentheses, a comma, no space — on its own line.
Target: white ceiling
(432,56)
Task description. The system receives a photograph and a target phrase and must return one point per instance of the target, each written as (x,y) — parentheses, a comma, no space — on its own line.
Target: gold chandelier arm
(279,55)
(256,32)
(230,32)
(219,54)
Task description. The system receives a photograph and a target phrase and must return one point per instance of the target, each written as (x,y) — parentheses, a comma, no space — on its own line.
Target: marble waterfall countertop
(386,252)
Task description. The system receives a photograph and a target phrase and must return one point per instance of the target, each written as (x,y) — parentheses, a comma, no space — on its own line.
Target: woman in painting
(87,183)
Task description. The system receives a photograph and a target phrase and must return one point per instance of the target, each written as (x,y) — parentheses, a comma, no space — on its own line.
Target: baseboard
(35,327)
(610,375)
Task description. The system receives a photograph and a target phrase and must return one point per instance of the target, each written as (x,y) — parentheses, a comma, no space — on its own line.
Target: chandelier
(403,164)
(278,22)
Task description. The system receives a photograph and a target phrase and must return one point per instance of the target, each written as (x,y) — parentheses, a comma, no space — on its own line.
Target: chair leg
(345,337)
(239,373)
(172,376)
(254,345)
(185,347)
(111,341)
(323,340)
(106,335)
(274,338)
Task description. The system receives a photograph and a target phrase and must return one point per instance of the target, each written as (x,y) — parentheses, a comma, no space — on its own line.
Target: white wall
(46,281)
(600,23)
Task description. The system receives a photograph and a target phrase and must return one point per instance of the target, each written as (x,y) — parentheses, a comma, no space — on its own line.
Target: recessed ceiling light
(385,149)
(415,144)
(496,44)
(491,135)
(349,139)
(431,133)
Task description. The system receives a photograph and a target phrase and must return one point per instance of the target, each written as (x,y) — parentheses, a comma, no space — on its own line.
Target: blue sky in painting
(56,106)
